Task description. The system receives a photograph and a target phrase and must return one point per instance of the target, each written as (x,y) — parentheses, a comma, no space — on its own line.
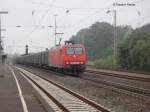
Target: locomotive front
(74,58)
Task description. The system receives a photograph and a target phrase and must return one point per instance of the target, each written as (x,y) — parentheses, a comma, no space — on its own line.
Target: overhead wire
(64,8)
(98,10)
(86,18)
(89,16)
(139,13)
(40,21)
(43,16)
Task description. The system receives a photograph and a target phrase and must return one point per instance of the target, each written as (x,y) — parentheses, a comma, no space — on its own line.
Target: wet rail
(136,91)
(119,75)
(132,90)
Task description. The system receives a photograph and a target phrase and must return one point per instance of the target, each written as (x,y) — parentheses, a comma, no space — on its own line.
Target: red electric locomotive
(66,58)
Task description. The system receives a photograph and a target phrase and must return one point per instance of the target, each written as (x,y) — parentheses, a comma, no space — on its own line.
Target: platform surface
(10,100)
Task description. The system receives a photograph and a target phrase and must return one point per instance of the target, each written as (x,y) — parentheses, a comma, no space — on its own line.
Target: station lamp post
(1,47)
(115,32)
(55,28)
(115,26)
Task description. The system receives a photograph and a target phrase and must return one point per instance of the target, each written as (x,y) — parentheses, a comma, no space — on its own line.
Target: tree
(134,52)
(98,39)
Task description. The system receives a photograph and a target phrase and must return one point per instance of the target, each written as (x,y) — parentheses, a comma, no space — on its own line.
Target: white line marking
(45,97)
(19,90)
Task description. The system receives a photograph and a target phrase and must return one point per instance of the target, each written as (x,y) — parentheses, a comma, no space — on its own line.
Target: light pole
(115,26)
(1,47)
(55,28)
(115,32)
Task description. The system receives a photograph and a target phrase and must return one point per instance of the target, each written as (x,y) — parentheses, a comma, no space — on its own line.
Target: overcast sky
(34,17)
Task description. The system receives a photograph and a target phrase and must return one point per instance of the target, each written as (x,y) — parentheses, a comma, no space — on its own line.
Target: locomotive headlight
(81,62)
(67,62)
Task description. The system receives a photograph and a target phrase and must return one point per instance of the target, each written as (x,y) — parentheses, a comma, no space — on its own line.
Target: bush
(134,52)
(90,63)
(109,62)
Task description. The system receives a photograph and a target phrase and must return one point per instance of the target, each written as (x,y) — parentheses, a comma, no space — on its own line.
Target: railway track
(140,92)
(123,88)
(119,75)
(128,89)
(62,99)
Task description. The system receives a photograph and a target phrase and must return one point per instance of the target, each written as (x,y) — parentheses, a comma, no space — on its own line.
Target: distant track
(80,103)
(125,88)
(120,76)
(132,90)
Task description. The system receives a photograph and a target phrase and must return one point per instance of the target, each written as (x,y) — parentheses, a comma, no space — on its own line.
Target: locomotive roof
(70,45)
(73,45)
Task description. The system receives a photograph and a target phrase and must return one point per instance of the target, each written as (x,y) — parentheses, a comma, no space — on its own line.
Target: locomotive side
(65,58)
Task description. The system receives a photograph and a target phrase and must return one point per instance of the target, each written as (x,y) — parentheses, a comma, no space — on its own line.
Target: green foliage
(133,46)
(109,62)
(90,63)
(98,39)
(134,52)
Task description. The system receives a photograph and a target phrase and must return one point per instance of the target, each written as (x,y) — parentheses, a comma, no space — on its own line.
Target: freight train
(67,58)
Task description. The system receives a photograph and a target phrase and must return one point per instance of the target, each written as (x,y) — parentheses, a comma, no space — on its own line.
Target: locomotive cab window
(69,51)
(78,50)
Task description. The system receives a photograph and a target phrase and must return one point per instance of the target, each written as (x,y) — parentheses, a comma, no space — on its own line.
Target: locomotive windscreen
(78,50)
(71,50)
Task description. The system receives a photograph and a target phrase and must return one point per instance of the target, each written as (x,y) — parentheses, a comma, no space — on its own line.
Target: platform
(10,99)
